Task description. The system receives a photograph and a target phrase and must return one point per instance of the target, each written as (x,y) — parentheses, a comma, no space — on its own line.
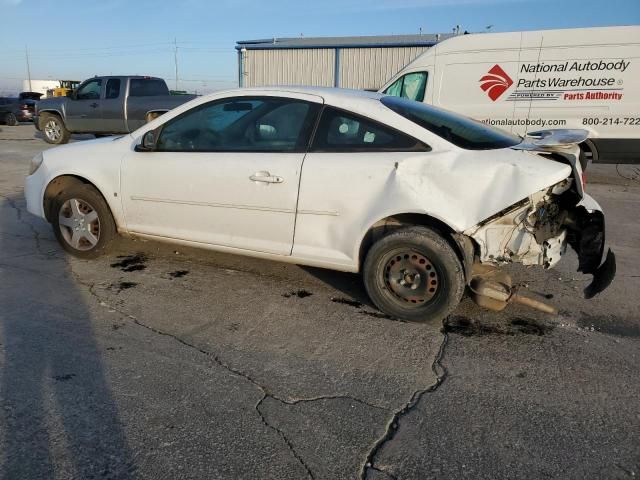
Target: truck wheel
(11,120)
(414,274)
(53,129)
(82,221)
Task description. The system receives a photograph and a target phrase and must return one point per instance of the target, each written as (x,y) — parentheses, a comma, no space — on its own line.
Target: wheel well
(153,114)
(588,153)
(464,246)
(57,186)
(49,112)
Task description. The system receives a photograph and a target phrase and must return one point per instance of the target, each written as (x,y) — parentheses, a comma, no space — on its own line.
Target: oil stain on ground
(118,287)
(64,378)
(516,326)
(131,263)
(178,273)
(297,293)
(347,301)
(361,310)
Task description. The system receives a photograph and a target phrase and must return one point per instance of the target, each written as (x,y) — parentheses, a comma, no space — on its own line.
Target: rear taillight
(24,107)
(583,177)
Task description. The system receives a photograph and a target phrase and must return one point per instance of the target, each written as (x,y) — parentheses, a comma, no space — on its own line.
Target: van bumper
(617,150)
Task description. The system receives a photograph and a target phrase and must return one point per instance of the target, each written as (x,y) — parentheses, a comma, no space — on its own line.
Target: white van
(585,78)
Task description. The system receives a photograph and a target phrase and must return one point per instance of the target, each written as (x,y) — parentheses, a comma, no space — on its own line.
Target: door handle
(94,105)
(265,177)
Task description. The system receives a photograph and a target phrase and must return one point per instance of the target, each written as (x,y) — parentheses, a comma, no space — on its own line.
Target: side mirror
(71,94)
(148,142)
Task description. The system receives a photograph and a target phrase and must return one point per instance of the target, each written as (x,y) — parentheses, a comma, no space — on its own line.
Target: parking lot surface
(161,362)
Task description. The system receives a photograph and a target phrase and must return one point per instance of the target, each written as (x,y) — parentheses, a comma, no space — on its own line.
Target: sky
(77,40)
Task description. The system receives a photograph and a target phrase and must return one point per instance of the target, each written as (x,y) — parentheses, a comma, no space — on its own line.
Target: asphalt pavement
(161,362)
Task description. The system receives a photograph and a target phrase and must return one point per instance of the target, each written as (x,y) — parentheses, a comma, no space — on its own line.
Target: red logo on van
(495,82)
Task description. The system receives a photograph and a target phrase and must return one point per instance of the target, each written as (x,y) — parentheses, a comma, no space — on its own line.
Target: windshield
(462,131)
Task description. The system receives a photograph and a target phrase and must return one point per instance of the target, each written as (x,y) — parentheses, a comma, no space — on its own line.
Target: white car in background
(410,195)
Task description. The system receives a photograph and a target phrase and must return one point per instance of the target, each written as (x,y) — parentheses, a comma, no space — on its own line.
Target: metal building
(349,62)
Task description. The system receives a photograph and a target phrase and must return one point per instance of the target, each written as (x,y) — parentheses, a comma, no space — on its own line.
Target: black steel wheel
(414,273)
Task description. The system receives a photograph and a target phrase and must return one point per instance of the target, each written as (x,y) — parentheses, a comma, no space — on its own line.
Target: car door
(112,107)
(223,173)
(347,181)
(83,110)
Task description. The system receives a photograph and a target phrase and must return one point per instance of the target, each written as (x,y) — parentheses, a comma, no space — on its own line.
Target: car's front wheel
(413,273)
(82,221)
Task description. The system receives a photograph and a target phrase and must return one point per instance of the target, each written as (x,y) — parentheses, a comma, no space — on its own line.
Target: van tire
(53,129)
(414,274)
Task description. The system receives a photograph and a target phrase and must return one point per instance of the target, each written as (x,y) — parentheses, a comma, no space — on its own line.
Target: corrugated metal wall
(370,68)
(289,67)
(361,68)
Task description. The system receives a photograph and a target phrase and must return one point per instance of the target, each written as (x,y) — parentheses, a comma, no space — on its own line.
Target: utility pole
(175,57)
(26,53)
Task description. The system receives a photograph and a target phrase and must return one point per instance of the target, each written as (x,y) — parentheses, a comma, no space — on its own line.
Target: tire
(53,129)
(11,120)
(390,278)
(81,209)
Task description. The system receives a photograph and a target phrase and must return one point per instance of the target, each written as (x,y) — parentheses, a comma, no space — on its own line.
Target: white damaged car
(412,196)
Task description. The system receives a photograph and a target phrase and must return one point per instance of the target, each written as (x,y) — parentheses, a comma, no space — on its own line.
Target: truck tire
(53,129)
(11,120)
(82,221)
(414,274)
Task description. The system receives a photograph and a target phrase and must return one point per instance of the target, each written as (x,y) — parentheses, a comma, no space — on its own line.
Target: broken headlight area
(537,230)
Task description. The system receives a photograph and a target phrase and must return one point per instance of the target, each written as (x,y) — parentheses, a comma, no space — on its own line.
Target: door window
(90,90)
(411,86)
(113,88)
(241,124)
(341,131)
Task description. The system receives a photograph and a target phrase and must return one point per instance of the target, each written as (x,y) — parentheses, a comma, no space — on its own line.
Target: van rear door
(589,81)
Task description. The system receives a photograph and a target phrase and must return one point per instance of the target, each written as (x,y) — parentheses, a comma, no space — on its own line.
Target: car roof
(330,94)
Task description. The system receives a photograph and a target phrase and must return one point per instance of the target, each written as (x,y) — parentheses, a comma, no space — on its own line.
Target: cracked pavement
(162,362)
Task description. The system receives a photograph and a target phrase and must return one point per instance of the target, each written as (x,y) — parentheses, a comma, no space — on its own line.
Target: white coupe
(410,195)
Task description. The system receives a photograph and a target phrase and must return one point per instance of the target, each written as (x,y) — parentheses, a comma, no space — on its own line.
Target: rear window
(340,131)
(457,129)
(147,87)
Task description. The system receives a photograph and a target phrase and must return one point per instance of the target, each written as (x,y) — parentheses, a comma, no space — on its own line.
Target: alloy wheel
(79,224)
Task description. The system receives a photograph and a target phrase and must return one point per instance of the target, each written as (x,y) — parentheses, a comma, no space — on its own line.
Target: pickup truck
(105,105)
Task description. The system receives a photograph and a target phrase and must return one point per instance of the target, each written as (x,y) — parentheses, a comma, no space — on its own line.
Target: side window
(395,89)
(90,90)
(241,124)
(113,88)
(147,87)
(341,131)
(411,86)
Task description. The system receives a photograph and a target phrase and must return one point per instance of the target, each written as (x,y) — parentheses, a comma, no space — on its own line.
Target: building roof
(425,40)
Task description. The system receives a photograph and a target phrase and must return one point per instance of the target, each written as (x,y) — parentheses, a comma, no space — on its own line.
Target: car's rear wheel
(414,274)
(53,129)
(82,221)
(10,119)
